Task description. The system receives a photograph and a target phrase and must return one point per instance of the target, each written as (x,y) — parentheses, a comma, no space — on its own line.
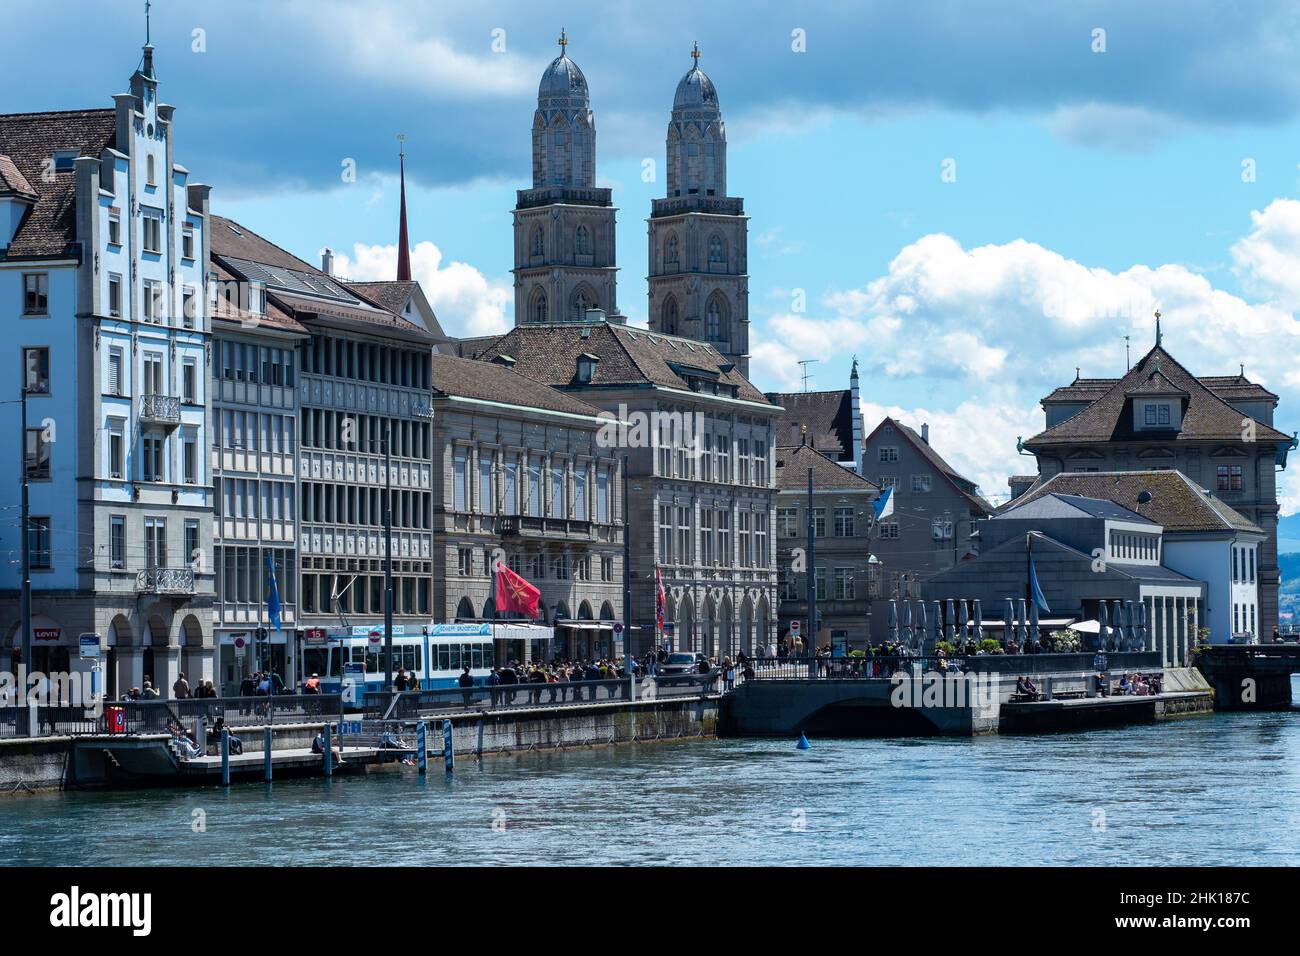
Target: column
(167,667)
(130,668)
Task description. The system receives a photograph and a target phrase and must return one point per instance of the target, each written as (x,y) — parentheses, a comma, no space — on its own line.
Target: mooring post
(329,763)
(225,756)
(421,741)
(448,754)
(266,753)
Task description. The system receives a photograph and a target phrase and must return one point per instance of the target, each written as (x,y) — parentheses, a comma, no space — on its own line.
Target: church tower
(699,283)
(564,226)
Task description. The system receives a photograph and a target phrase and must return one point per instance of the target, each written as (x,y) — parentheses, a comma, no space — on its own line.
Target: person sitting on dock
(318,747)
(185,747)
(236,744)
(1026,688)
(1124,686)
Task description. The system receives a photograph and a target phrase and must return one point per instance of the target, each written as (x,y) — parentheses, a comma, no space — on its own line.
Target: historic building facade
(1217,430)
(523,479)
(103,245)
(564,225)
(699,281)
(698,438)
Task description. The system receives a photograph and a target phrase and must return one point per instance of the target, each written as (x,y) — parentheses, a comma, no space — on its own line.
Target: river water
(1216,790)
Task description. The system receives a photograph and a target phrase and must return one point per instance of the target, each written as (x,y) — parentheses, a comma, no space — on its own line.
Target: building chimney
(925,433)
(327,262)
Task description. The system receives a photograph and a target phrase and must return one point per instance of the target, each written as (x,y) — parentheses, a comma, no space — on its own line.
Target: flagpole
(627,577)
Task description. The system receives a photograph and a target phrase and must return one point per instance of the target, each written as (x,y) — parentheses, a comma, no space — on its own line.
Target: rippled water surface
(1212,790)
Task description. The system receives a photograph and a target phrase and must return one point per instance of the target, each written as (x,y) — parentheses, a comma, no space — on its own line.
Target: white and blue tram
(436,657)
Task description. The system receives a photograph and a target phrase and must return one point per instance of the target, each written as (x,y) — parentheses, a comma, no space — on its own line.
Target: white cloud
(1016,319)
(466,302)
(1121,128)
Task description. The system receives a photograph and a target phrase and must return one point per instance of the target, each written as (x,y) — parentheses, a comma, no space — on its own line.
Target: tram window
(489,656)
(444,658)
(477,652)
(372,660)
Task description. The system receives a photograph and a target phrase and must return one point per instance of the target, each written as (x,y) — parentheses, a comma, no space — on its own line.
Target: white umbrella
(1085,627)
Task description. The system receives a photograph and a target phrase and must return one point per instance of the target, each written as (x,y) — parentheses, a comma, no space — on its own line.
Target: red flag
(515,594)
(659,600)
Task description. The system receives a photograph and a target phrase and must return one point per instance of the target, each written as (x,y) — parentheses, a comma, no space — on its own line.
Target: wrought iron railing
(160,409)
(165,580)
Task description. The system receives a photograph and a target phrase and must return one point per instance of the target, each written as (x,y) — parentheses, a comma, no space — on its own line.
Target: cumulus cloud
(466,302)
(1017,319)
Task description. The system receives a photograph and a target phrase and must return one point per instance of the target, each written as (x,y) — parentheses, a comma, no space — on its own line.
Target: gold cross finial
(564,39)
(695,53)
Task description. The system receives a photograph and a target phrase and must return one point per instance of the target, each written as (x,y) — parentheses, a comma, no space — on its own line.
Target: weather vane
(695,52)
(401,144)
(564,39)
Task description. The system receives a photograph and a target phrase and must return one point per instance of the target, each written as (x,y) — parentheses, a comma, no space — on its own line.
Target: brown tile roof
(12,180)
(392,296)
(1108,417)
(362,316)
(234,240)
(1177,503)
(549,353)
(30,140)
(457,377)
(1227,387)
(792,466)
(276,317)
(828,415)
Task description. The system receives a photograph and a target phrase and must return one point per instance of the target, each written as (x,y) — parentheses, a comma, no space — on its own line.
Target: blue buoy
(803,743)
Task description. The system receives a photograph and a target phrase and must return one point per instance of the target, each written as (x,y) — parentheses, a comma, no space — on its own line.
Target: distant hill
(1288,535)
(1290,567)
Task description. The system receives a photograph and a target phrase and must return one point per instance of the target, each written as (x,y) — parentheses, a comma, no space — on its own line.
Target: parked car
(681,662)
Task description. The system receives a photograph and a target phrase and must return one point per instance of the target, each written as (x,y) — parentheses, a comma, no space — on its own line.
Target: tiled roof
(1108,418)
(276,317)
(392,296)
(30,140)
(549,353)
(359,316)
(489,381)
(234,240)
(792,466)
(828,415)
(12,180)
(1177,503)
(1227,387)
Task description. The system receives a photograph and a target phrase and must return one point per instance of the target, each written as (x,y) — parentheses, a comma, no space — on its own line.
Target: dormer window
(65,160)
(586,367)
(1157,414)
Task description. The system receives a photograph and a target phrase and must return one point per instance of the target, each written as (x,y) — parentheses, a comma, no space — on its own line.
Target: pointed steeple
(1159,334)
(403,245)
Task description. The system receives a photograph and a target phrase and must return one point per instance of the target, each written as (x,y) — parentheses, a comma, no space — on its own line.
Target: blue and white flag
(1035,589)
(273,595)
(885,504)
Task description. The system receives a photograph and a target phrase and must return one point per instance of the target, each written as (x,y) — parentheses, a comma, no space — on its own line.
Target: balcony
(165,581)
(164,410)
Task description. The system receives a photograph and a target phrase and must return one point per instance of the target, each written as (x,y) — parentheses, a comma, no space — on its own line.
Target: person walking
(181,689)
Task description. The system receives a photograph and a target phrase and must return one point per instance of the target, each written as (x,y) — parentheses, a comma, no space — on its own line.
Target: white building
(103,240)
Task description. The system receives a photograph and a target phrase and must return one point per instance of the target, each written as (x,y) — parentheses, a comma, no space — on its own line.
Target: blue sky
(1091,186)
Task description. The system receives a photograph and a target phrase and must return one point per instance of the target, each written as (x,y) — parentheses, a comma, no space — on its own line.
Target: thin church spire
(403,244)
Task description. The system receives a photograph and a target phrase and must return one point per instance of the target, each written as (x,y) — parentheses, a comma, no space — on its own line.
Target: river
(1217,790)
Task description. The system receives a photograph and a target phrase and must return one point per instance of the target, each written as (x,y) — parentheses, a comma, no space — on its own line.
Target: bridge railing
(842,668)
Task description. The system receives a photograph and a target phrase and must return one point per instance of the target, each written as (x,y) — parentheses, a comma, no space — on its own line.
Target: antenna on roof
(805,363)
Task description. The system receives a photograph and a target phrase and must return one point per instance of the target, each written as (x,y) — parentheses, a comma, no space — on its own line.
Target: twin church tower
(565,260)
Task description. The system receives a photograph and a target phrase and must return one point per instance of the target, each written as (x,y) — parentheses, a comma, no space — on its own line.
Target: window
(717,251)
(742,459)
(117,541)
(152,229)
(486,499)
(888,482)
(888,452)
(38,543)
(819,583)
(580,495)
(189,306)
(921,484)
(114,226)
(465,561)
(789,587)
(844,523)
(153,373)
(706,538)
(115,296)
(743,539)
(1229,477)
(787,522)
(538,240)
(602,496)
(665,534)
(187,241)
(190,457)
(37,457)
(713,321)
(189,382)
(193,552)
(1156,414)
(511,491)
(670,256)
(151,467)
(152,301)
(155,542)
(582,242)
(889,529)
(819,522)
(844,584)
(534,489)
(36,366)
(724,538)
(115,371)
(539,308)
(460,479)
(116,446)
(36,293)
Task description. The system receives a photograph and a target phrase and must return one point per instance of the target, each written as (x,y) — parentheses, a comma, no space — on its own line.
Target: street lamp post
(26,545)
(388,556)
(627,575)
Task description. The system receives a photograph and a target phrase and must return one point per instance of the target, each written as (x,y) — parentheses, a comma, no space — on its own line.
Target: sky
(973,200)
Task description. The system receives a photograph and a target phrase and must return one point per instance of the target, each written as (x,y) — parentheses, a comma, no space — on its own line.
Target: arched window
(582,301)
(582,242)
(670,253)
(717,252)
(539,307)
(537,241)
(714,320)
(668,323)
